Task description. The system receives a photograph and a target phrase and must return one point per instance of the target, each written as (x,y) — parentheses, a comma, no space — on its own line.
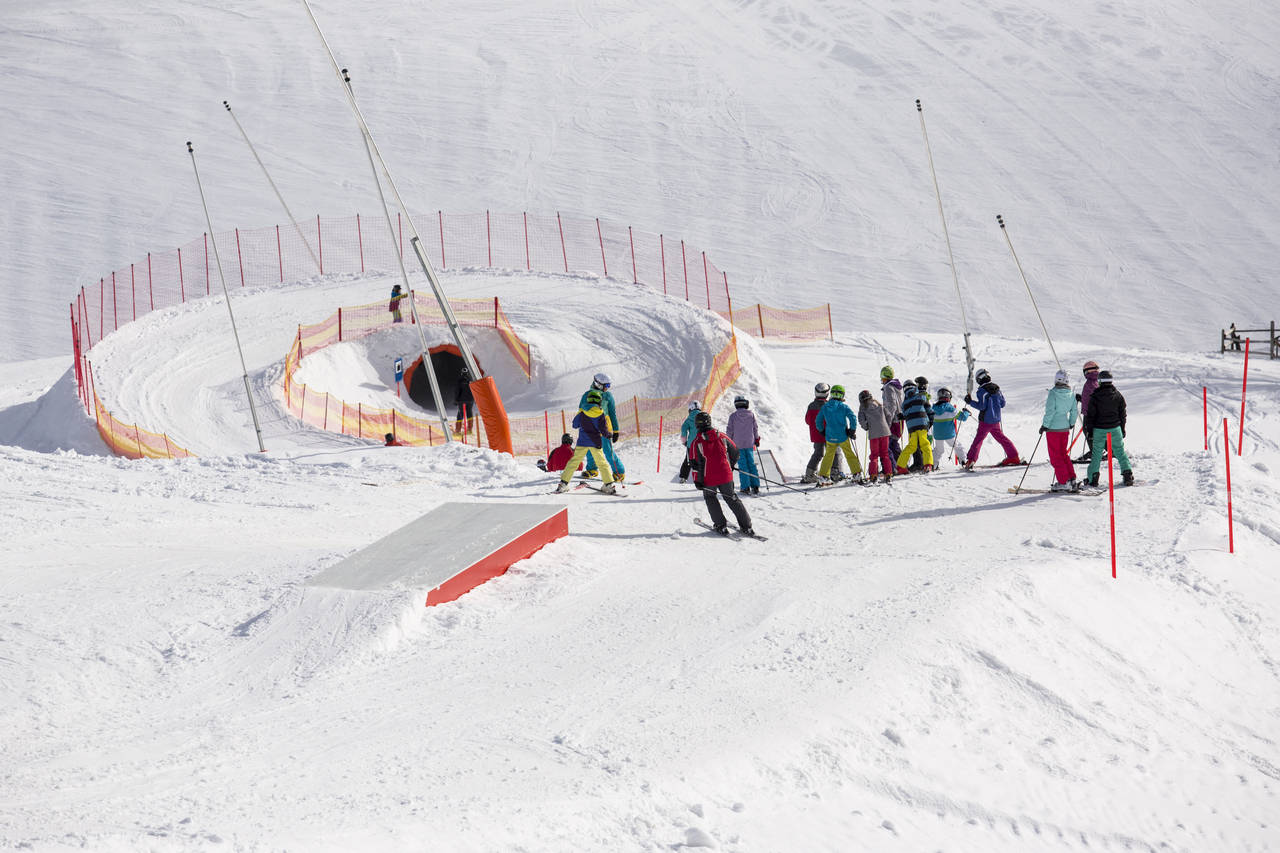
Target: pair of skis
(732,532)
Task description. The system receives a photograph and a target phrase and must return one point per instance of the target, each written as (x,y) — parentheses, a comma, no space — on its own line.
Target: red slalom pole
(658,469)
(1231,533)
(1111,494)
(1206,417)
(1244,384)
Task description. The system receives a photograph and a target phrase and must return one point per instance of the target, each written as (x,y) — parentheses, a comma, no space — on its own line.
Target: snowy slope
(933,665)
(1131,150)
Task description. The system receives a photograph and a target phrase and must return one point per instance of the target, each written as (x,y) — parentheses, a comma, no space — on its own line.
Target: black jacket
(1106,408)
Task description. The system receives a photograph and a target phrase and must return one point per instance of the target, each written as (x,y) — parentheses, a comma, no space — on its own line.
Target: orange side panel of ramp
(494,414)
(499,561)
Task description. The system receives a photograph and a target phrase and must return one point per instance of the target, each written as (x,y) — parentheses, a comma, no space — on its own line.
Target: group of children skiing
(907,430)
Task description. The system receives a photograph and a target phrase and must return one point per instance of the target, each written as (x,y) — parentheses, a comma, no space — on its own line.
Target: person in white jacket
(1060,413)
(742,431)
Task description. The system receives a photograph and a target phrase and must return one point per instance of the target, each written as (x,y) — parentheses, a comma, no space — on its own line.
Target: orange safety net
(132,442)
(795,324)
(528,436)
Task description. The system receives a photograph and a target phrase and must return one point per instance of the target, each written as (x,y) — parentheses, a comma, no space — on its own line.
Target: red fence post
(360,241)
(760,317)
(600,235)
(443,265)
(320,243)
(151,288)
(684,262)
(1111,489)
(658,468)
(1226,447)
(488,236)
(240,257)
(706,279)
(280,254)
(831,333)
(663,246)
(339,324)
(635,279)
(527,265)
(563,251)
(546,421)
(636,404)
(495,312)
(1244,385)
(1206,417)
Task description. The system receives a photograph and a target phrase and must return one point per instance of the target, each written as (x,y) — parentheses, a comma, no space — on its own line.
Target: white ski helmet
(601,381)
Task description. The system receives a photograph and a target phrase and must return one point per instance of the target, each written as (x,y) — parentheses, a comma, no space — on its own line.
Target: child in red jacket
(713,456)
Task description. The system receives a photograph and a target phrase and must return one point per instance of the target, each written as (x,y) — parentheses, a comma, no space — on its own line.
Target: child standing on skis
(821,393)
(891,397)
(713,456)
(1090,385)
(1107,415)
(602,383)
(989,404)
(1059,417)
(593,430)
(394,305)
(839,426)
(743,432)
(688,431)
(916,415)
(871,418)
(946,439)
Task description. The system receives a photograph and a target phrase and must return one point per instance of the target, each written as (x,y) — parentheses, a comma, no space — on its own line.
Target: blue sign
(399,369)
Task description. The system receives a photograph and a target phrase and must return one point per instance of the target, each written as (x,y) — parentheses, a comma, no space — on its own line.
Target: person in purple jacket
(1090,384)
(742,431)
(989,404)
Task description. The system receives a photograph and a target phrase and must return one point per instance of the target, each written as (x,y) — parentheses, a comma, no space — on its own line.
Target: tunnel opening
(448,364)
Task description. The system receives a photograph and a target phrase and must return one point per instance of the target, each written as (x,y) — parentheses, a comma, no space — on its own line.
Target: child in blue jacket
(946,438)
(839,424)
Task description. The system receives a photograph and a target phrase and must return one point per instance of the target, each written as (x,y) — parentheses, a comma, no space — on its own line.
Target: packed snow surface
(932,665)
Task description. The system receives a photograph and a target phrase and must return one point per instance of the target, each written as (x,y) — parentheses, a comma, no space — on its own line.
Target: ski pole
(774,482)
(1029,460)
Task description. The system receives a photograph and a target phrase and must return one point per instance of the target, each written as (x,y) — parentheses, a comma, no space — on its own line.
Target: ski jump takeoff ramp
(450,550)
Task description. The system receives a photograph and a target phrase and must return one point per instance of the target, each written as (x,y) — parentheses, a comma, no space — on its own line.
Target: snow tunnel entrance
(447,362)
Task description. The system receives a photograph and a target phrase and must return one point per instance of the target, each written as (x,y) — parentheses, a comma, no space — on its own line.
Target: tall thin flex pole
(1005,231)
(964,321)
(404,276)
(416,240)
(287,212)
(248,390)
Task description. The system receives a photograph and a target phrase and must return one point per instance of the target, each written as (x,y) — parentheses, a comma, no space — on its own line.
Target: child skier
(989,404)
(743,432)
(602,383)
(560,456)
(821,392)
(1059,417)
(839,427)
(394,305)
(916,415)
(946,439)
(1106,415)
(688,431)
(891,397)
(1090,385)
(872,419)
(593,430)
(917,458)
(713,456)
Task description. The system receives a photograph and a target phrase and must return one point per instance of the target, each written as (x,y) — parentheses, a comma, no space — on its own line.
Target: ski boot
(562,488)
(1128,477)
(609,489)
